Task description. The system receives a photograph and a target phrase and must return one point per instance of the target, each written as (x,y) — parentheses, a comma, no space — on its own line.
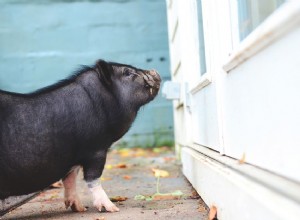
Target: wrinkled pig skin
(45,134)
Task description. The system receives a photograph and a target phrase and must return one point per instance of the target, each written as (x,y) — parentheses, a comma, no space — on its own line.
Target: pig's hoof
(108,205)
(75,205)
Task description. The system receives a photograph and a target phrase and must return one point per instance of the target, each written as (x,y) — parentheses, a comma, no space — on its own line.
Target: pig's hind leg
(71,198)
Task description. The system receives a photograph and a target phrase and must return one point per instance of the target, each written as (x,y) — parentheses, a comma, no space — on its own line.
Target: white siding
(246,106)
(262,109)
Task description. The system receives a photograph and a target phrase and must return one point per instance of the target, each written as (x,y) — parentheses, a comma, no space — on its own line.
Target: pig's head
(131,86)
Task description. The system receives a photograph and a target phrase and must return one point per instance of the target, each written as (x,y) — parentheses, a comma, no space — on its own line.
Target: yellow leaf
(125,152)
(160,173)
(140,152)
(109,166)
(105,178)
(157,150)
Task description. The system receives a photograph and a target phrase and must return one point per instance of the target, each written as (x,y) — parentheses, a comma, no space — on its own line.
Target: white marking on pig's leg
(71,198)
(100,197)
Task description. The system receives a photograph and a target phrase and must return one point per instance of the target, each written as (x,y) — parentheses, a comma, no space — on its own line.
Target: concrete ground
(128,176)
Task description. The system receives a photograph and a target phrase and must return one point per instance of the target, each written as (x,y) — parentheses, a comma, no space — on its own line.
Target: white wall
(261,108)
(246,106)
(251,109)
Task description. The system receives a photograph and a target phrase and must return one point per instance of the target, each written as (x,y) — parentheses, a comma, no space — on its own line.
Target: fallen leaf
(157,150)
(161,149)
(201,209)
(118,198)
(139,197)
(160,196)
(160,173)
(212,213)
(100,218)
(127,177)
(105,178)
(243,159)
(194,195)
(164,197)
(121,165)
(108,166)
(125,152)
(140,152)
(55,196)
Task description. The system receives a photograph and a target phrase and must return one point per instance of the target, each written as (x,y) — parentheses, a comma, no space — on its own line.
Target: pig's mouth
(152,82)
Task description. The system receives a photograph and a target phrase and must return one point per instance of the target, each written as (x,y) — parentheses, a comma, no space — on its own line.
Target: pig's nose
(155,74)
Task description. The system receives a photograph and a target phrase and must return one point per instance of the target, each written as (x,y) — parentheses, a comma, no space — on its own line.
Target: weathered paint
(44,41)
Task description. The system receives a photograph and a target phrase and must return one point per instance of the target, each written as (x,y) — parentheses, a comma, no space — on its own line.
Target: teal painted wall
(43,41)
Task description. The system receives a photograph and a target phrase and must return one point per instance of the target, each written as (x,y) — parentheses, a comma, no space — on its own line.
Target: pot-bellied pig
(49,134)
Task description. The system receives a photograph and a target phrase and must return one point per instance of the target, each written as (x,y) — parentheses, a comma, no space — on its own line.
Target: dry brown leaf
(201,209)
(121,165)
(212,213)
(243,159)
(118,198)
(194,195)
(165,197)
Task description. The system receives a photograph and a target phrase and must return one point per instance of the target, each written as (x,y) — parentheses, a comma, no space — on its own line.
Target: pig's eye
(127,73)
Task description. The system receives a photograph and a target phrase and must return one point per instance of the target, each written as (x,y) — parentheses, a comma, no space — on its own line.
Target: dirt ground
(130,176)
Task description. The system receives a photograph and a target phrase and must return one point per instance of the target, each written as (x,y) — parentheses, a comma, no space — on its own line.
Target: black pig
(48,134)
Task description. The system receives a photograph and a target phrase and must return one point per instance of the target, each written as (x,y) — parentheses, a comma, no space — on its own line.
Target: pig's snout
(153,79)
(152,82)
(155,75)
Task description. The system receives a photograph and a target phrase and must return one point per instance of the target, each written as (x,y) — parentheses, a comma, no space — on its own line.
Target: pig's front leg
(71,198)
(101,199)
(92,171)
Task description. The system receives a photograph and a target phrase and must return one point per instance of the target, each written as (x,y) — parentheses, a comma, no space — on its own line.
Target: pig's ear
(104,71)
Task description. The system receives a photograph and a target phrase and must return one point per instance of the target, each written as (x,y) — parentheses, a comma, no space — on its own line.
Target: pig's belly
(23,176)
